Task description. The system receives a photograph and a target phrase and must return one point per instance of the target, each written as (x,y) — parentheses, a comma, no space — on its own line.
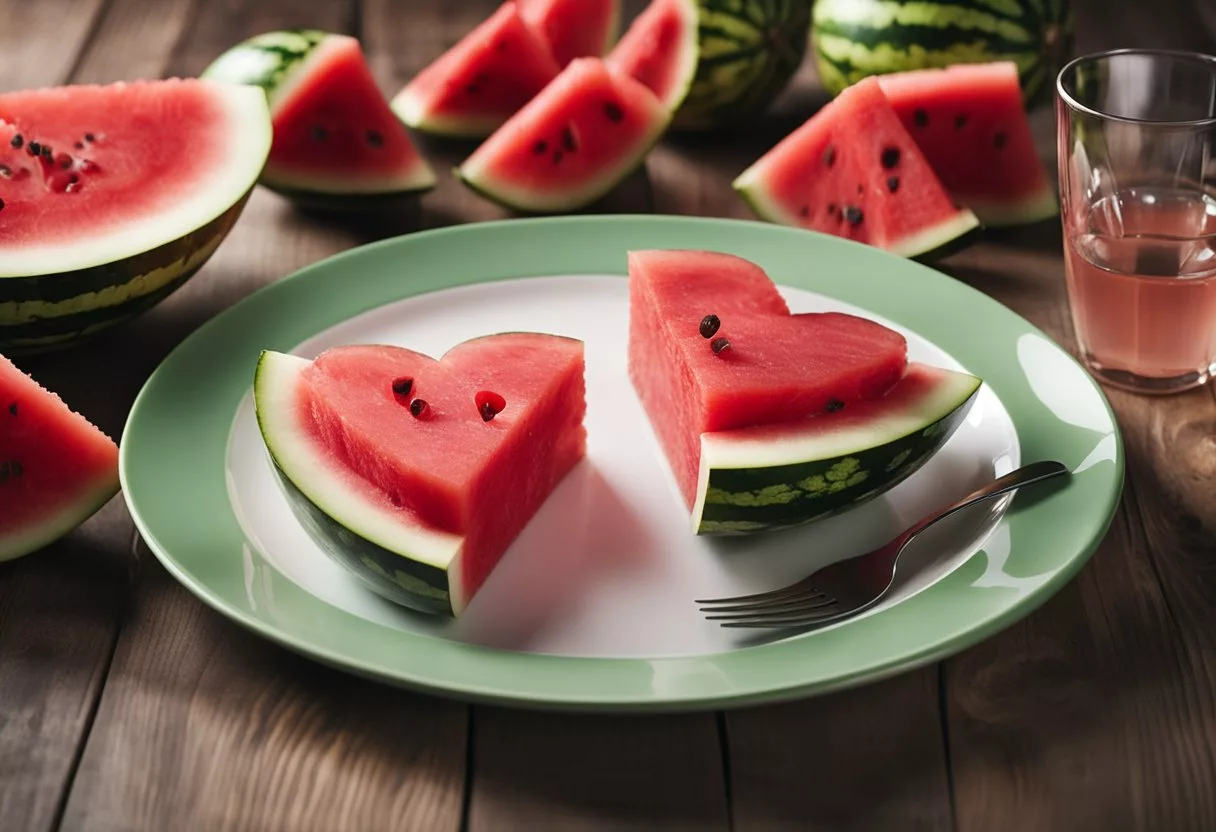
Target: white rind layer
(297,456)
(246,121)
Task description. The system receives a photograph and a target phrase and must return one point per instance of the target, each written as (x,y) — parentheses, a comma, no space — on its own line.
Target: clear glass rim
(1094,57)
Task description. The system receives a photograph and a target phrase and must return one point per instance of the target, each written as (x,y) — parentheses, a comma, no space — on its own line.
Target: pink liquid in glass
(1142,284)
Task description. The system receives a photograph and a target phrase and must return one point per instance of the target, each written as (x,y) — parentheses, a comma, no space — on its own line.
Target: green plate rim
(1053,538)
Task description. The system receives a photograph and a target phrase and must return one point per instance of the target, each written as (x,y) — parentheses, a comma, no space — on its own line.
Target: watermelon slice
(336,141)
(56,469)
(417,474)
(770,419)
(481,81)
(570,145)
(660,49)
(970,123)
(853,171)
(112,196)
(574,28)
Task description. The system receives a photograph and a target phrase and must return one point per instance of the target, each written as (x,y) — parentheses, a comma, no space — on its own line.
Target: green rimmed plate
(592,607)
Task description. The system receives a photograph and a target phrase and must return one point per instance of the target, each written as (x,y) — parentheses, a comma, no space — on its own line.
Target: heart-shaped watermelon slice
(417,473)
(754,406)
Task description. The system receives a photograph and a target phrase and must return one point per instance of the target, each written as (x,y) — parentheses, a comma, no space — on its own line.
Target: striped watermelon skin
(853,39)
(266,60)
(748,51)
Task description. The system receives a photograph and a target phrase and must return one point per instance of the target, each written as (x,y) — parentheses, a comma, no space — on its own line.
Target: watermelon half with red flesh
(574,28)
(970,123)
(770,419)
(417,474)
(337,143)
(481,81)
(56,468)
(571,144)
(853,171)
(112,196)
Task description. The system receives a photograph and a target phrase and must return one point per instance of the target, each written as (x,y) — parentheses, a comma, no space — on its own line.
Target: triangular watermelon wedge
(336,141)
(56,469)
(853,171)
(417,473)
(574,28)
(481,81)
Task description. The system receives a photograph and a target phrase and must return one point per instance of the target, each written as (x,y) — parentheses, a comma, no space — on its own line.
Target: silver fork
(850,586)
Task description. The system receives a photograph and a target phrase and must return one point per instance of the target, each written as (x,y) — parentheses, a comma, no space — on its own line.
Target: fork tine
(829,614)
(805,595)
(771,595)
(809,601)
(831,606)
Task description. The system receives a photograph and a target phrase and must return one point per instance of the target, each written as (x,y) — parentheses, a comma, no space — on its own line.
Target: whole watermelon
(853,39)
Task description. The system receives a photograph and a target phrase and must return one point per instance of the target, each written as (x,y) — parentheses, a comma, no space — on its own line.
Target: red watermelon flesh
(481,81)
(571,144)
(852,170)
(56,469)
(112,184)
(971,124)
(335,133)
(660,49)
(573,28)
(455,471)
(779,367)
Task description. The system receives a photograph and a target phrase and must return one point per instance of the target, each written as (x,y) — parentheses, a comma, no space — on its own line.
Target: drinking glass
(1136,131)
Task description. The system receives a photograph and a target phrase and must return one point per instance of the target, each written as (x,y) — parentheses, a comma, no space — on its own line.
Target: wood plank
(202,725)
(41,42)
(60,608)
(1097,711)
(871,758)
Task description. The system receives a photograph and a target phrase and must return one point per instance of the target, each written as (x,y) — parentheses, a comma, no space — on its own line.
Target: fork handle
(1027,474)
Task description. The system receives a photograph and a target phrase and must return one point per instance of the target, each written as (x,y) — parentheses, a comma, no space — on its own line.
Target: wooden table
(125,704)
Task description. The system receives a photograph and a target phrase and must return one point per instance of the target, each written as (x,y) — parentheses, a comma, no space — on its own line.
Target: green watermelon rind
(747,484)
(278,62)
(417,567)
(853,39)
(929,244)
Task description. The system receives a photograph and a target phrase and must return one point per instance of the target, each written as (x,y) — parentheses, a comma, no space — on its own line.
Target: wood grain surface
(125,704)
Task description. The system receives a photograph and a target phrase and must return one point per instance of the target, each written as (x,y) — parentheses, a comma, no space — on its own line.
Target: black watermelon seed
(557,157)
(853,214)
(834,404)
(1,209)
(709,326)
(402,386)
(78,145)
(489,404)
(999,140)
(568,140)
(374,138)
(831,207)
(89,137)
(16,141)
(419,408)
(12,408)
(613,111)
(960,121)
(890,157)
(33,148)
(320,133)
(829,156)
(718,345)
(540,147)
(920,117)
(47,152)
(804,211)
(892,183)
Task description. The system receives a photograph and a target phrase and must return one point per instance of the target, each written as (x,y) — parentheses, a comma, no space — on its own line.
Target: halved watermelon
(481,81)
(574,28)
(417,474)
(971,125)
(771,419)
(56,468)
(336,141)
(113,196)
(853,171)
(715,62)
(584,133)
